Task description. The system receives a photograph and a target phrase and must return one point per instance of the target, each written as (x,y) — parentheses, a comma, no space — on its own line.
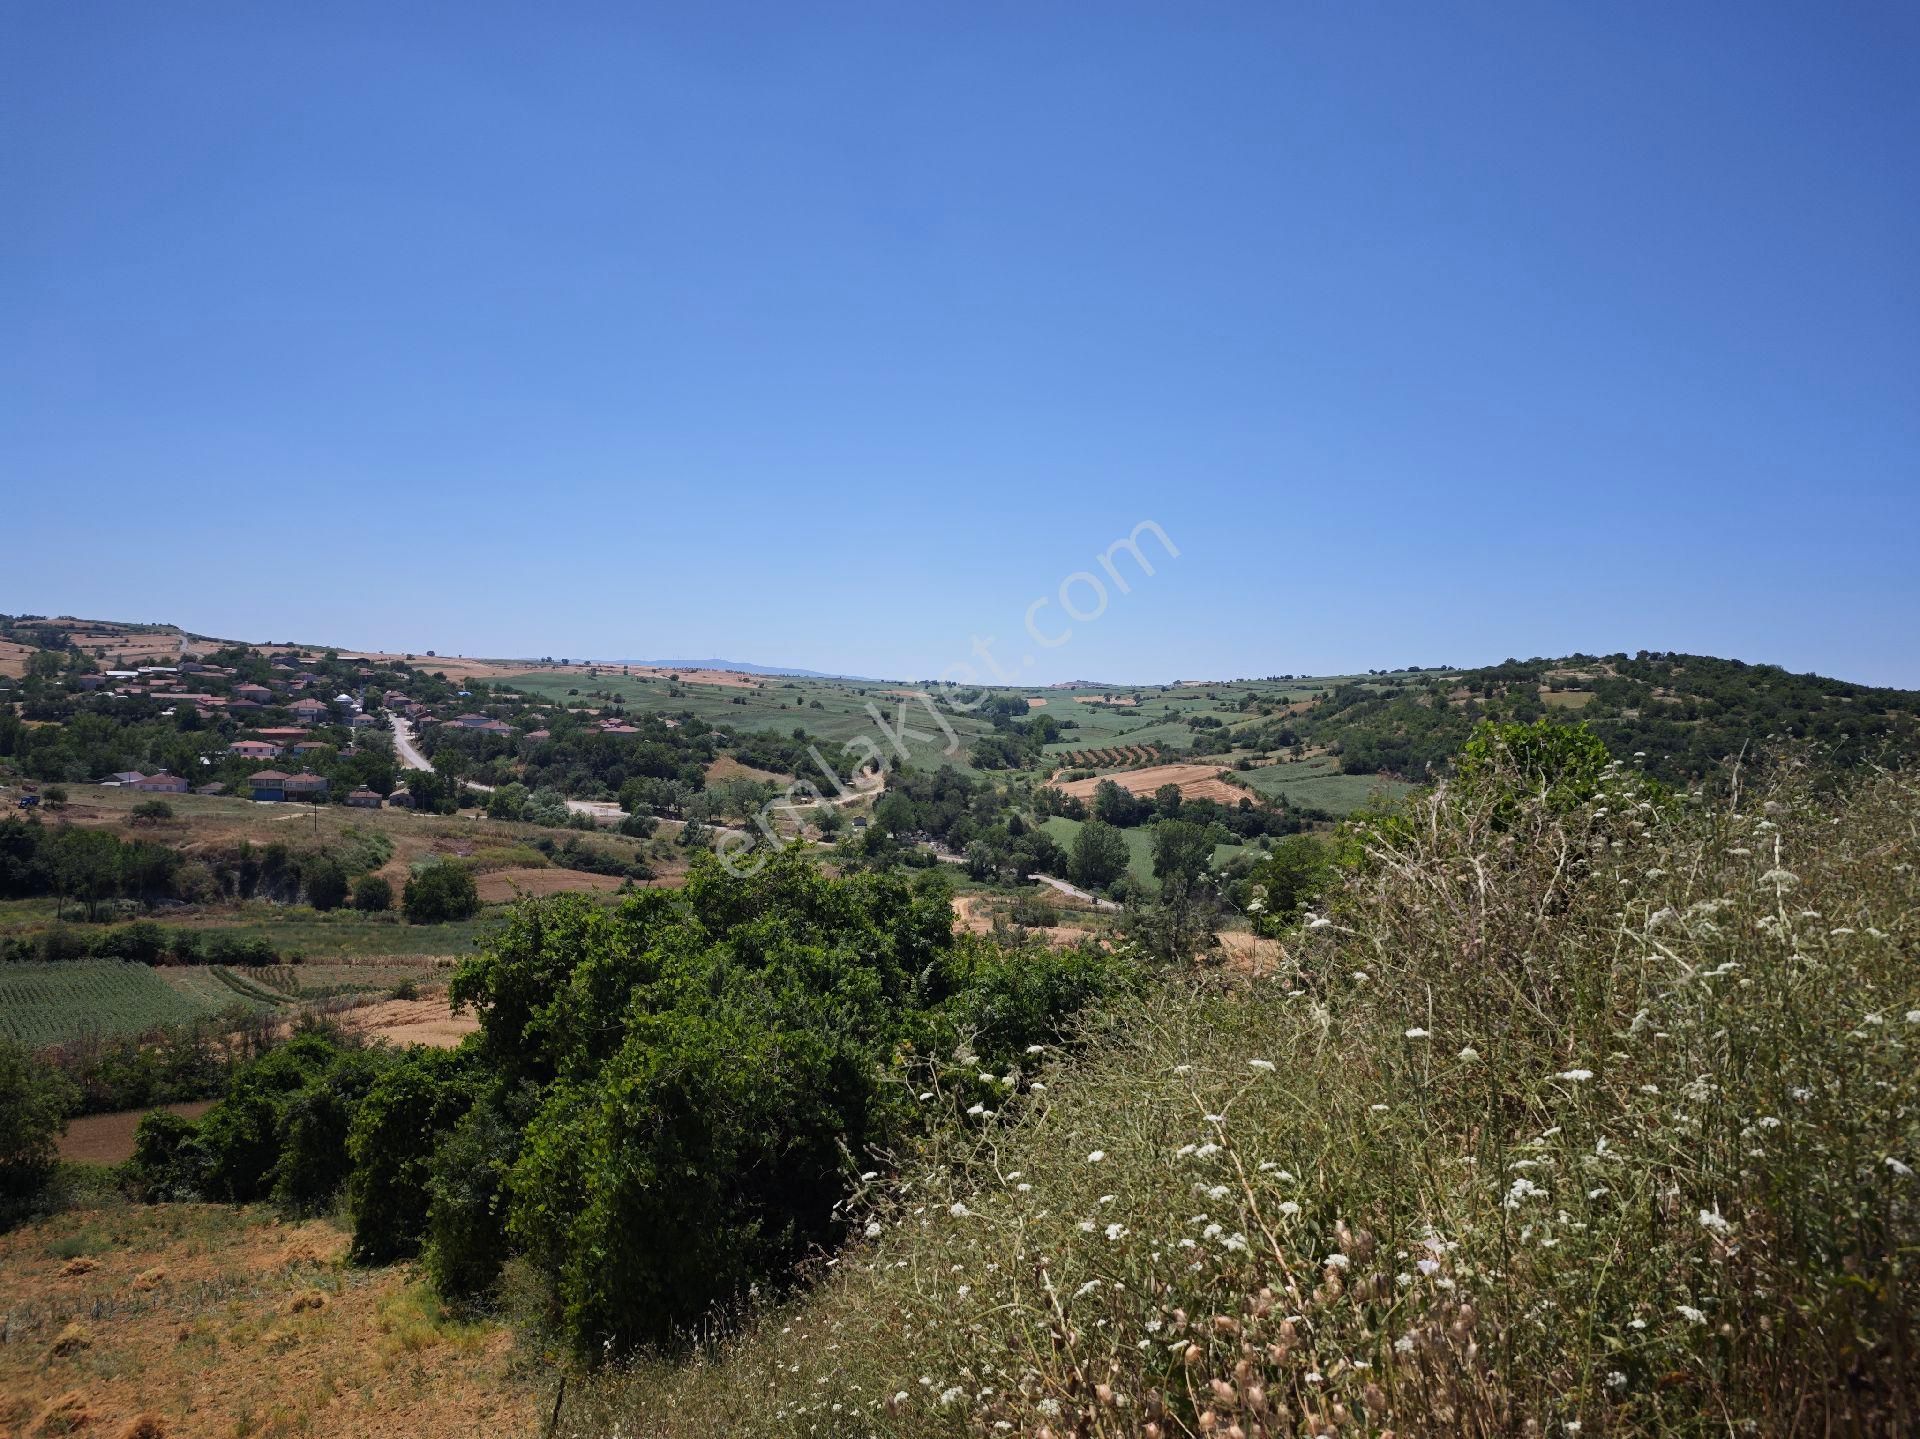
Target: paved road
(1076,893)
(599,810)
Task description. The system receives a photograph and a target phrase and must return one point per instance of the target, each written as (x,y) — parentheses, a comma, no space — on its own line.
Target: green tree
(372,894)
(1100,855)
(1182,851)
(325,879)
(35,1100)
(441,892)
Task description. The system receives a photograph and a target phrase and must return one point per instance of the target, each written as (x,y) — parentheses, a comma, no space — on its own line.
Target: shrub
(390,1147)
(466,1208)
(372,894)
(169,1163)
(150,811)
(441,892)
(326,882)
(35,1100)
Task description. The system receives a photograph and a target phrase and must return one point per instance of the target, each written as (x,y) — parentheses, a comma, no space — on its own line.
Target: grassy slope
(1646,1166)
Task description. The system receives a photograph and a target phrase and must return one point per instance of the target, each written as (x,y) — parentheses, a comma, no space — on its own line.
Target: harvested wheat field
(203,1320)
(1196,781)
(500,885)
(428,1020)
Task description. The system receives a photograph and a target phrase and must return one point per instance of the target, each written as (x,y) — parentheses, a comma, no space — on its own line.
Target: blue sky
(836,335)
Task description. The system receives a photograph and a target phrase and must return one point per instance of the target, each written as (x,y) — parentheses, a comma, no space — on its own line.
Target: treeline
(93,867)
(1236,823)
(1677,716)
(668,1103)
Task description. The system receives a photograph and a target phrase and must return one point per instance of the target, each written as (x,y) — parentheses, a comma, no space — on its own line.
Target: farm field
(1139,848)
(1195,781)
(830,711)
(48,1003)
(1319,783)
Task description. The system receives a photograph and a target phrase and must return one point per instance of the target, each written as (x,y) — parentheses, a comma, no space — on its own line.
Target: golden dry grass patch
(258,1327)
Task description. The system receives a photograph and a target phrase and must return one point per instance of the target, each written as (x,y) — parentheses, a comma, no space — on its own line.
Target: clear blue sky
(834,335)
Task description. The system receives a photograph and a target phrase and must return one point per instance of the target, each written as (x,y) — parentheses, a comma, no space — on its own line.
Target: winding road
(600,811)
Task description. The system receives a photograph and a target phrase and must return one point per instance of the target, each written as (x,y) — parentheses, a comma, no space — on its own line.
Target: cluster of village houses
(266,744)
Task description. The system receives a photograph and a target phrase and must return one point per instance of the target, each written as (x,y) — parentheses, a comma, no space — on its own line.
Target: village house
(162,783)
(305,786)
(400,799)
(254,749)
(309,746)
(309,711)
(267,784)
(259,694)
(361,721)
(125,776)
(364,798)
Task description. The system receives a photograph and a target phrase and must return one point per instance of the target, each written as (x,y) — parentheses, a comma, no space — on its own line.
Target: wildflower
(1576,1076)
(1469,1055)
(1901,1170)
(870,1176)
(1207,1150)
(1183,1069)
(1237,1242)
(951,1396)
(976,1110)
(1616,1380)
(1428,1267)
(959,1210)
(1690,1314)
(1784,878)
(925,1095)
(1378,1108)
(1713,1220)
(1319,922)
(1116,1232)
(1024,1188)
(1265,1066)
(1416,1033)
(1337,1260)
(1360,976)
(1096,1156)
(1036,1049)
(1085,1289)
(1522,1190)
(1404,1344)
(873,1229)
(1037,1087)
(1107,1198)
(1289,1208)
(1086,1226)
(1212,1231)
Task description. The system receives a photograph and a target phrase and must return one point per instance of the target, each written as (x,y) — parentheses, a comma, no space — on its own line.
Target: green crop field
(1319,783)
(54,1002)
(831,712)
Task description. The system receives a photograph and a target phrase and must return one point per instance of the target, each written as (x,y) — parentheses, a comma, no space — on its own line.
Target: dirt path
(1073,892)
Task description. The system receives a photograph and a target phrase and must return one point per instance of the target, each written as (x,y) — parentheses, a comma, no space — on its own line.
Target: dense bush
(34,1103)
(440,892)
(390,1147)
(372,894)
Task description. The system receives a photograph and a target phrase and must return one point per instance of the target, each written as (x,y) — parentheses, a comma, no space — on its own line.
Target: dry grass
(1605,1118)
(244,1325)
(1195,781)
